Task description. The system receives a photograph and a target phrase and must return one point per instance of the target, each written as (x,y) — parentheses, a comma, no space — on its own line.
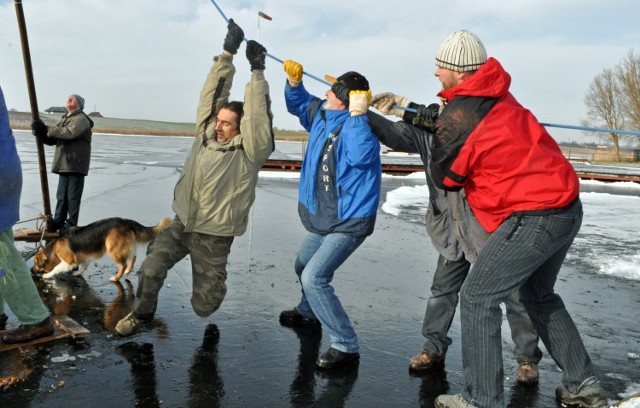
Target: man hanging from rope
(216,188)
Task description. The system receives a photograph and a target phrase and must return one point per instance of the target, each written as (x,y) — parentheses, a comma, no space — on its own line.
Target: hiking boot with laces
(528,373)
(425,361)
(27,332)
(128,325)
(589,395)
(452,401)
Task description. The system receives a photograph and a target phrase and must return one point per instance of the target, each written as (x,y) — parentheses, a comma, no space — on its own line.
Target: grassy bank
(22,121)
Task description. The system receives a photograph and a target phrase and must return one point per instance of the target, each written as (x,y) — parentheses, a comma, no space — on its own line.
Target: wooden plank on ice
(64,328)
(32,235)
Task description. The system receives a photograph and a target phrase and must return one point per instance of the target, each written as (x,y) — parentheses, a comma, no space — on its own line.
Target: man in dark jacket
(337,202)
(72,138)
(525,193)
(458,238)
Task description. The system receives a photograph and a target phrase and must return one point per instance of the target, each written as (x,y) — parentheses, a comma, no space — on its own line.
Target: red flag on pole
(266,17)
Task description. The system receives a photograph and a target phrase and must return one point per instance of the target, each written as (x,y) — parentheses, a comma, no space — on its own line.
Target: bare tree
(628,73)
(604,106)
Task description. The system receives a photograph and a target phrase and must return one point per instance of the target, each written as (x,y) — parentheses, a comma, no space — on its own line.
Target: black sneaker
(335,358)
(292,318)
(589,395)
(3,321)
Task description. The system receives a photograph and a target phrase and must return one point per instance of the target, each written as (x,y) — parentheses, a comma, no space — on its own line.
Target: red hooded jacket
(497,150)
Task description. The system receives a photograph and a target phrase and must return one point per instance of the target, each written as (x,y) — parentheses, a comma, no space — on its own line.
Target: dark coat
(72,138)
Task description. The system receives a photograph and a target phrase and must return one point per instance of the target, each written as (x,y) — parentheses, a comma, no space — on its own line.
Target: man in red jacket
(526,194)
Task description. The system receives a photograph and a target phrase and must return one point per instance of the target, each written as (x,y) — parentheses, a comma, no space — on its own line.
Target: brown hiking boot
(452,401)
(28,332)
(589,395)
(528,373)
(424,361)
(128,325)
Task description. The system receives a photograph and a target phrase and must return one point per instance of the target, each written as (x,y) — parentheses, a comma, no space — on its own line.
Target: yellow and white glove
(294,72)
(385,101)
(359,102)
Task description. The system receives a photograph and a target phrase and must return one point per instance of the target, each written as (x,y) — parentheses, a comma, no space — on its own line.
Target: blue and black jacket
(10,172)
(341,171)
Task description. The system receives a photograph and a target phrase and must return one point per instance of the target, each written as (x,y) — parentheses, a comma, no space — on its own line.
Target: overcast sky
(147,59)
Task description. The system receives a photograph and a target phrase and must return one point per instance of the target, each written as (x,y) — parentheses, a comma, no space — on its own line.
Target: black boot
(335,358)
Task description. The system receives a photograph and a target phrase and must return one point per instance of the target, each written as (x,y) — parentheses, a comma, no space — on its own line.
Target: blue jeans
(318,258)
(441,307)
(524,253)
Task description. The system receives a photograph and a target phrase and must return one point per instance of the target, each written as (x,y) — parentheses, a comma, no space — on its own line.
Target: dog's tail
(146,234)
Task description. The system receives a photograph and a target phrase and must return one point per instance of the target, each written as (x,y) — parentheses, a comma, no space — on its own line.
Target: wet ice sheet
(241,356)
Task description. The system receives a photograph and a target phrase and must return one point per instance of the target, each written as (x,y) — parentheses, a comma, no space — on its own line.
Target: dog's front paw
(114,279)
(48,275)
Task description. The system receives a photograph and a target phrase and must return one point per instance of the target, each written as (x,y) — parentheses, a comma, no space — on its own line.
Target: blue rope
(592,129)
(589,129)
(271,56)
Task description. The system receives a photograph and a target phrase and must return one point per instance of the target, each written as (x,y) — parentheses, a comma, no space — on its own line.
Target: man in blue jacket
(16,285)
(338,200)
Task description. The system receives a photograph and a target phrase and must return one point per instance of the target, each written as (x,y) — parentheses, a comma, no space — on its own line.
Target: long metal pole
(269,55)
(35,113)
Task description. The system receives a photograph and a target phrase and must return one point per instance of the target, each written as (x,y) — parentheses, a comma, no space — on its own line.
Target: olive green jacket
(216,188)
(72,138)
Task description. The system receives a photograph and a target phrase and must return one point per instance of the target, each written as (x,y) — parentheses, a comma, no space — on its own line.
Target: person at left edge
(72,138)
(16,285)
(338,200)
(216,189)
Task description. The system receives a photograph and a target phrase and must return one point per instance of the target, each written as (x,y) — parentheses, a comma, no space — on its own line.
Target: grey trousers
(209,255)
(441,307)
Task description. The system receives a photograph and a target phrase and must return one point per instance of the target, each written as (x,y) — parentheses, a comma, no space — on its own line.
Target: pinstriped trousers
(522,254)
(441,307)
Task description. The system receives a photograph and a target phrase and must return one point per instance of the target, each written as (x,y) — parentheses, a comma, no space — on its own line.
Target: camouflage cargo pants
(208,265)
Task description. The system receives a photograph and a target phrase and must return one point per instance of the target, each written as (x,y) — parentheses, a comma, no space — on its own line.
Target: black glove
(38,128)
(234,37)
(256,54)
(426,115)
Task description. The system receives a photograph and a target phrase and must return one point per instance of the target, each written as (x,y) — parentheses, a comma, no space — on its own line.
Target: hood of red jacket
(490,80)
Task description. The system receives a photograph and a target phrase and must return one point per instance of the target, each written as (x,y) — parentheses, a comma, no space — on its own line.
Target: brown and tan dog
(118,237)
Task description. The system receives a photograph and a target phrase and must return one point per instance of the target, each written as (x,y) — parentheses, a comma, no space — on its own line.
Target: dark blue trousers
(69,195)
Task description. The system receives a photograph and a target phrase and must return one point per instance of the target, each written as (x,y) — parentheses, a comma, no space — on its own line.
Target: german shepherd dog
(73,250)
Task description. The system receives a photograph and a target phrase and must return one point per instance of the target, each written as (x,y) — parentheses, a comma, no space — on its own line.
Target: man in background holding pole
(72,138)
